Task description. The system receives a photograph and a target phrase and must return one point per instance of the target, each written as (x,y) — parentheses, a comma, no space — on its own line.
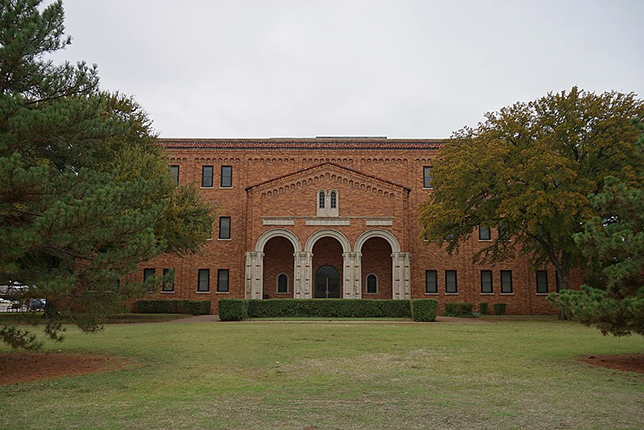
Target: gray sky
(389,68)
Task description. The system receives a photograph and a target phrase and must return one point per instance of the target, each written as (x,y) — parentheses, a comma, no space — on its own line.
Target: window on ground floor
(506,281)
(168,280)
(148,274)
(203,284)
(450,282)
(222,280)
(431,282)
(486,282)
(282,283)
(372,284)
(542,281)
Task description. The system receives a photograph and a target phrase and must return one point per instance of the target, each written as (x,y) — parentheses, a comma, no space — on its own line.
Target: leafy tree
(528,170)
(614,242)
(85,193)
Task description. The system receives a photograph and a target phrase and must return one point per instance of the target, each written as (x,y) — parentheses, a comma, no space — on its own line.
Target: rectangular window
(174,174)
(427,177)
(506,281)
(226,176)
(203,284)
(148,274)
(206,176)
(542,281)
(222,281)
(450,282)
(504,233)
(224,227)
(556,280)
(486,282)
(484,233)
(168,280)
(431,282)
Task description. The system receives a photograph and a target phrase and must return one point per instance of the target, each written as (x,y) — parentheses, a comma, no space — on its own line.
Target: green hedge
(459,309)
(424,309)
(332,308)
(499,308)
(483,308)
(201,307)
(233,309)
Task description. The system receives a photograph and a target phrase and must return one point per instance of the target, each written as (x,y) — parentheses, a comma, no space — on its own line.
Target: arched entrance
(278,268)
(327,283)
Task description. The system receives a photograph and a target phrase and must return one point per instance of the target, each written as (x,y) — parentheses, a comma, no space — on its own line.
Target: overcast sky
(207,68)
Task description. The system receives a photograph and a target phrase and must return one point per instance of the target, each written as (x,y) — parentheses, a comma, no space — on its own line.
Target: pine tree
(85,193)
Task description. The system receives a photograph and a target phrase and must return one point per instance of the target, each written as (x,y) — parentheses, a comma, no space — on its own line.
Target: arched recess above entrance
(278,232)
(393,242)
(310,242)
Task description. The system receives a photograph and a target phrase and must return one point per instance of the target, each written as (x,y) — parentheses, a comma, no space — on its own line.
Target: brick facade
(277,226)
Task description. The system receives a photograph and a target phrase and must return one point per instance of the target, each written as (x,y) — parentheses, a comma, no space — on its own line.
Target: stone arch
(393,242)
(278,232)
(310,242)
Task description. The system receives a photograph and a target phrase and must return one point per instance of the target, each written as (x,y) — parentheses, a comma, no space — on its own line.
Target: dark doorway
(327,283)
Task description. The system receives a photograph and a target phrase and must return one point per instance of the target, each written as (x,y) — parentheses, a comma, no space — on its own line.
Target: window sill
(487,294)
(451,294)
(507,294)
(224,240)
(542,294)
(223,292)
(167,292)
(203,292)
(206,188)
(428,188)
(225,188)
(485,240)
(431,294)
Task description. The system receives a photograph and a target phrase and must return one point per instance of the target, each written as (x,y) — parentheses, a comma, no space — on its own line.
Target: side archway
(278,232)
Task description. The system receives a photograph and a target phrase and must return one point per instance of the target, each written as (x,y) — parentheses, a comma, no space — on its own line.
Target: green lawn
(506,374)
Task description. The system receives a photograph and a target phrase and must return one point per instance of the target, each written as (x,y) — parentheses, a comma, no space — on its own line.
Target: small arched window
(321,200)
(334,200)
(282,283)
(372,284)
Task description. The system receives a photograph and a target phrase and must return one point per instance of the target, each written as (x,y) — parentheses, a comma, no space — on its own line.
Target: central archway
(327,283)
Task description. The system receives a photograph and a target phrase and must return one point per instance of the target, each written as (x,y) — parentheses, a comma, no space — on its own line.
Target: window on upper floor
(484,233)
(226,177)
(334,199)
(224,227)
(427,177)
(321,199)
(206,176)
(174,174)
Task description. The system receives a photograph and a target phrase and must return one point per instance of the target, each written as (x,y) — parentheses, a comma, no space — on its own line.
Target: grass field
(506,374)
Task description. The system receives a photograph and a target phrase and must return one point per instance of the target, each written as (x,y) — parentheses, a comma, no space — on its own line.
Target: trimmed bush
(233,309)
(483,308)
(499,308)
(194,307)
(459,309)
(332,308)
(424,310)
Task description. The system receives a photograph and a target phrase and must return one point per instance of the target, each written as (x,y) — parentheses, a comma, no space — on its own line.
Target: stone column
(401,275)
(254,274)
(303,284)
(357,279)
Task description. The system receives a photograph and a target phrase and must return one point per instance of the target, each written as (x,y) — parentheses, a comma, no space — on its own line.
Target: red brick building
(330,217)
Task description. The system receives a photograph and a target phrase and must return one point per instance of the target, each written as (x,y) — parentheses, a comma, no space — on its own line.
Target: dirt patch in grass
(18,367)
(625,362)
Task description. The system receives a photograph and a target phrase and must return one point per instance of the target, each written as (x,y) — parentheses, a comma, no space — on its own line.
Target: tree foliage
(613,242)
(528,170)
(85,193)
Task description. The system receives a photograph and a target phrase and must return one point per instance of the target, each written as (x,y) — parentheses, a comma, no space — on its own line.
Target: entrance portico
(350,274)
